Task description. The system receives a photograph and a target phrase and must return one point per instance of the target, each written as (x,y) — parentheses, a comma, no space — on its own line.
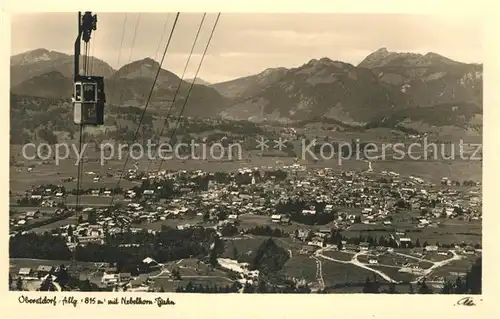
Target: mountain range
(386,87)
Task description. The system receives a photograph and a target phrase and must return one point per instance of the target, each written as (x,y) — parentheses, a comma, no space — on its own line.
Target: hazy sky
(245,44)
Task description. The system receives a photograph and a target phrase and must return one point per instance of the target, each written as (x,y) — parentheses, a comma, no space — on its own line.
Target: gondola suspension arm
(88,96)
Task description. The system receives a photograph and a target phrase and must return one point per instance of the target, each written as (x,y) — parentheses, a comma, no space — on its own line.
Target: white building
(276,218)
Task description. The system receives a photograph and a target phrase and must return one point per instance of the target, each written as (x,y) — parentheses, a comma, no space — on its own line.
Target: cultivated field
(338,273)
(339,255)
(301,266)
(448,232)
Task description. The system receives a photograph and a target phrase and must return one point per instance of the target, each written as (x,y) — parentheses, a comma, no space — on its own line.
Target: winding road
(163,270)
(438,264)
(354,261)
(319,272)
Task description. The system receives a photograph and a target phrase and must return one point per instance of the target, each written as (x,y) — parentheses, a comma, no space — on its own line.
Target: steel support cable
(158,47)
(145,108)
(92,57)
(162,35)
(81,137)
(120,100)
(192,83)
(165,122)
(122,37)
(81,141)
(120,48)
(157,51)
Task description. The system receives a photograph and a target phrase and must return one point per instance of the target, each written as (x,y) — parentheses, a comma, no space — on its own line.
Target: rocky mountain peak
(382,57)
(375,58)
(35,56)
(146,67)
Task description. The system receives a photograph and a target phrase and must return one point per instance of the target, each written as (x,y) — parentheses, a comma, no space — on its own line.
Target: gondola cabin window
(90,92)
(78,92)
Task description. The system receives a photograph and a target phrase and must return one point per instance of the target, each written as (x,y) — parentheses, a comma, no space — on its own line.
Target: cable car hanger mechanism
(88,96)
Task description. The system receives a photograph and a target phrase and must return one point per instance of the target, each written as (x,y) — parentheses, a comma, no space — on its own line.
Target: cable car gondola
(88,100)
(88,94)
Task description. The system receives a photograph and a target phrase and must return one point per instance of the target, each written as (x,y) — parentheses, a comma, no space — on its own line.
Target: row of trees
(266,231)
(471,283)
(191,287)
(45,246)
(373,286)
(263,286)
(169,244)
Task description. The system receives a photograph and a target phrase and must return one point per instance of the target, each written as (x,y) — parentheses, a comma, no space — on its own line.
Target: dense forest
(169,244)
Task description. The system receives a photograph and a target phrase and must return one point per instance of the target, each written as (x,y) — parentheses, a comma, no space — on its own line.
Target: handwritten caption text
(75,301)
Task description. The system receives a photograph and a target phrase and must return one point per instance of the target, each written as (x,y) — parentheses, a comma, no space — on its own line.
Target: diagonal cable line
(145,107)
(122,38)
(162,35)
(120,48)
(156,55)
(165,122)
(120,100)
(192,83)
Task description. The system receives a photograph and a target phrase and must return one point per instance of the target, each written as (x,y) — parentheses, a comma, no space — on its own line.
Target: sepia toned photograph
(237,153)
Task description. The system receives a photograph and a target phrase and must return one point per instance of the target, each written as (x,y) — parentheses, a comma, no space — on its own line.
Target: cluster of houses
(378,196)
(106,276)
(357,198)
(32,277)
(111,277)
(37,273)
(22,219)
(25,218)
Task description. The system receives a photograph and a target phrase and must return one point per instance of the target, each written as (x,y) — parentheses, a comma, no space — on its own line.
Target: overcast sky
(245,44)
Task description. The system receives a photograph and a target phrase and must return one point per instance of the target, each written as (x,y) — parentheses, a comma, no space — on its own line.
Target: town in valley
(265,217)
